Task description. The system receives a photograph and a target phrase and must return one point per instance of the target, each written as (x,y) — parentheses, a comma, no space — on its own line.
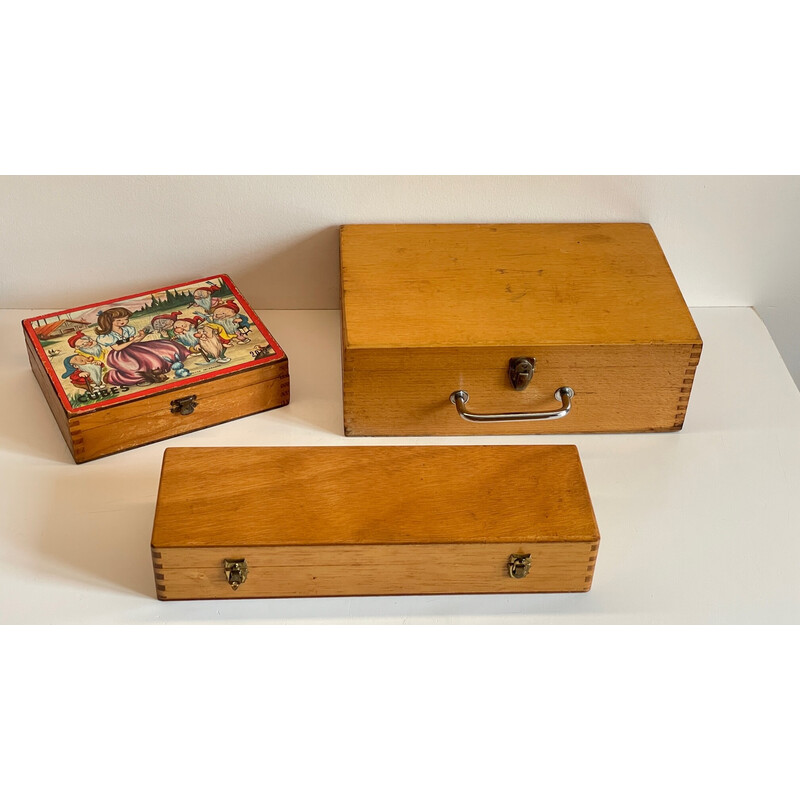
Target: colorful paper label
(134,346)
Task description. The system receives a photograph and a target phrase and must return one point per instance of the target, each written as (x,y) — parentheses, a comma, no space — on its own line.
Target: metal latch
(235,572)
(519,565)
(184,405)
(520,372)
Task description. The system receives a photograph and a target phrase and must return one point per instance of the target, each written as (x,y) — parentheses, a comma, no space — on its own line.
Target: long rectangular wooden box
(137,369)
(321,521)
(432,310)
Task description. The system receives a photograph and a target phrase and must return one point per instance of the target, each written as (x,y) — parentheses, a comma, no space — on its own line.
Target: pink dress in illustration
(131,361)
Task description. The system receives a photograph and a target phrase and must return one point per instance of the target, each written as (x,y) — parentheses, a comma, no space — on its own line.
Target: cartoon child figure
(184,332)
(164,324)
(228,317)
(86,346)
(84,372)
(203,299)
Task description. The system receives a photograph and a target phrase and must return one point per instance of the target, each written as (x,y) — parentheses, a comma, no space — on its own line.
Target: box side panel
(59,414)
(618,388)
(213,407)
(189,574)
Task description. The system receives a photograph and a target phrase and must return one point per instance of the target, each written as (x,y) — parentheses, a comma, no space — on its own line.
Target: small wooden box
(321,521)
(142,368)
(444,320)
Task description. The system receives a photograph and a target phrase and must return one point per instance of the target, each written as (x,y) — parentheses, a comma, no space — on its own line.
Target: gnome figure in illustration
(84,372)
(211,344)
(229,318)
(203,299)
(185,330)
(85,345)
(164,324)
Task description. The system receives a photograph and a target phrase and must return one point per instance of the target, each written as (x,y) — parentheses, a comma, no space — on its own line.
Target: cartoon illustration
(143,342)
(203,298)
(85,345)
(211,344)
(226,319)
(185,330)
(84,372)
(131,361)
(164,324)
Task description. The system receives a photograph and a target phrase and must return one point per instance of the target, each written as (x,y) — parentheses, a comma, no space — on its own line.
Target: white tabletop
(698,526)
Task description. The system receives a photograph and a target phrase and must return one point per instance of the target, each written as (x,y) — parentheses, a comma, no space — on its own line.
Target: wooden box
(442,322)
(141,368)
(320,521)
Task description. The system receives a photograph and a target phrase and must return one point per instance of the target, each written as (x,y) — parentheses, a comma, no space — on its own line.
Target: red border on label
(27,325)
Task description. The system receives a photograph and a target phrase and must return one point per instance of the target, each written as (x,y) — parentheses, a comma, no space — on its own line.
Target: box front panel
(617,388)
(199,573)
(152,420)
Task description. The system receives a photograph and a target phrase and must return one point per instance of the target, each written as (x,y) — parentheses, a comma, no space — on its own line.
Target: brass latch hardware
(184,405)
(520,372)
(235,572)
(519,565)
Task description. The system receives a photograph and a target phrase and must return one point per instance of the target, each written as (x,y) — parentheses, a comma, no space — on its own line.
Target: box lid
(174,337)
(406,286)
(279,496)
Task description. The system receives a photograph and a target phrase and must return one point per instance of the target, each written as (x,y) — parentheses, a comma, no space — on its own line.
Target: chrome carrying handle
(565,394)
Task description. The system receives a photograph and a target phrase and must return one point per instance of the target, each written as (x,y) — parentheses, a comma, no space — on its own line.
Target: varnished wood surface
(53,403)
(212,391)
(161,423)
(431,309)
(526,285)
(324,571)
(617,388)
(373,495)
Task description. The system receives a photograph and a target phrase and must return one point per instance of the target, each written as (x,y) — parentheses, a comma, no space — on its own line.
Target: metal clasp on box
(184,405)
(520,372)
(235,572)
(519,565)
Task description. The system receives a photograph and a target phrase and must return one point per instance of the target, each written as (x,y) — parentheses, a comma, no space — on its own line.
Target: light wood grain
(377,570)
(373,520)
(498,285)
(431,309)
(373,495)
(160,423)
(50,396)
(617,388)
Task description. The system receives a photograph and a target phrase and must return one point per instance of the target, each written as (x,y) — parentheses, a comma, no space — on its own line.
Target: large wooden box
(141,368)
(319,521)
(440,321)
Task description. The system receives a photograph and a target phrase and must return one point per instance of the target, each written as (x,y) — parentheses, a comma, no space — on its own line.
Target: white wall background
(65,241)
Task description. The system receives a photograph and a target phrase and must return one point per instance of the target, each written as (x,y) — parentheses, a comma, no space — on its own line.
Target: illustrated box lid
(120,350)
